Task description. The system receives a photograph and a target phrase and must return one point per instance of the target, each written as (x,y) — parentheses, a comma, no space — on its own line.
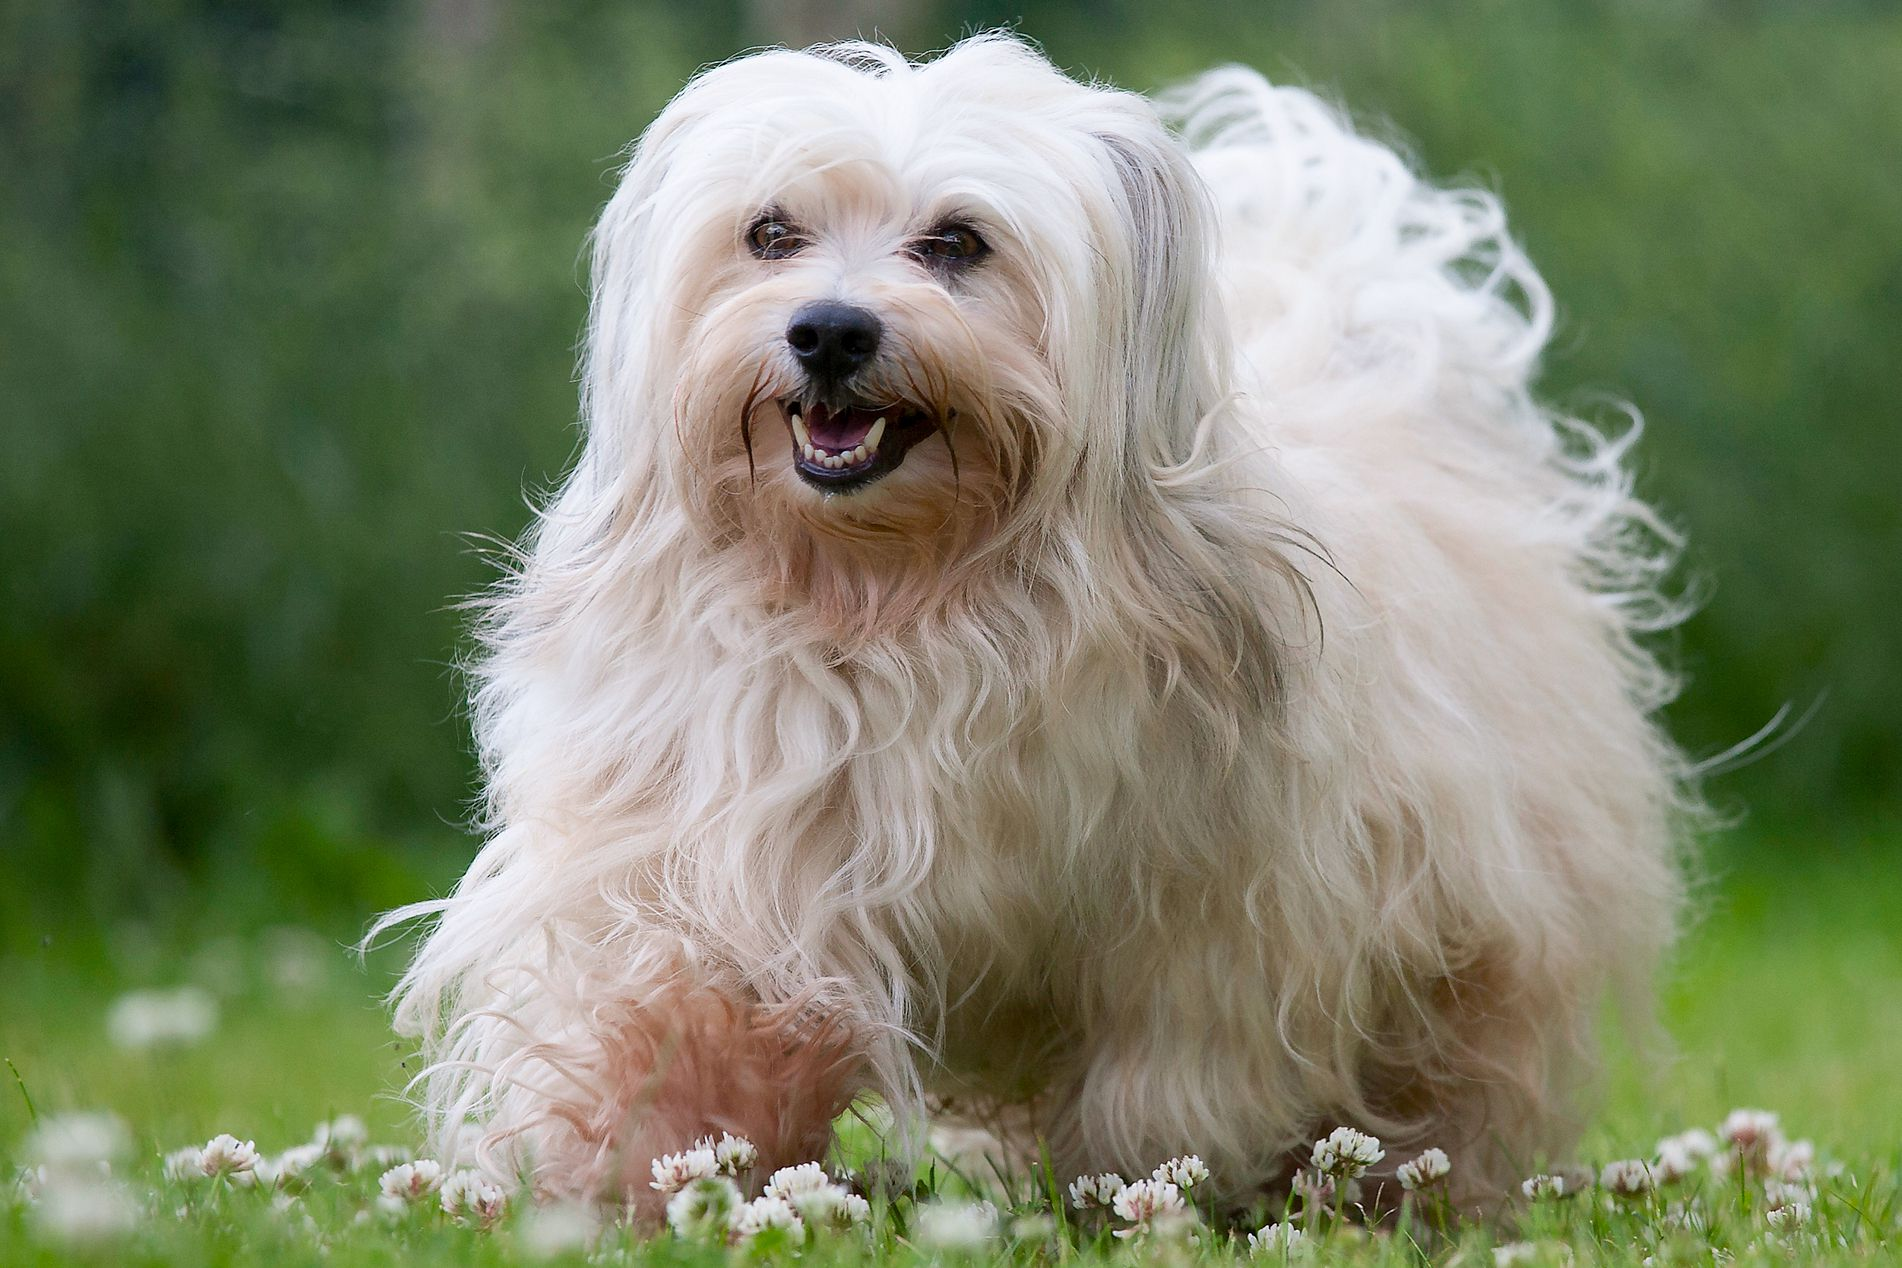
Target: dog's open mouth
(846,448)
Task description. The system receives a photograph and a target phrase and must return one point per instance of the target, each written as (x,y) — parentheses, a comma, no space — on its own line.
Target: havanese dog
(1069,619)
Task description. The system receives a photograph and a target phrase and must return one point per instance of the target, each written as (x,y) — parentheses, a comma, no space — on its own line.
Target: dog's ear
(1169,348)
(622,290)
(642,233)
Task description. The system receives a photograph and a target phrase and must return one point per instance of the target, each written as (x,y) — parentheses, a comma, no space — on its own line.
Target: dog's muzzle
(846,447)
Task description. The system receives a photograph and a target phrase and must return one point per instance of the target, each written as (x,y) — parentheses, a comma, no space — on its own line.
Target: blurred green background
(289,296)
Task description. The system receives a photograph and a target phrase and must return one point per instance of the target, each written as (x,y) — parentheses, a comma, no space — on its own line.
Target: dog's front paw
(652,1076)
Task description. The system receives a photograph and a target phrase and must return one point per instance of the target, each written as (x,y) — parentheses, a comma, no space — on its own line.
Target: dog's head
(841,296)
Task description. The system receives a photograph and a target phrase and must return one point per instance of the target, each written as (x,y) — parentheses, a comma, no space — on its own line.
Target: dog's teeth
(858,454)
(800,434)
(809,451)
(873,436)
(835,461)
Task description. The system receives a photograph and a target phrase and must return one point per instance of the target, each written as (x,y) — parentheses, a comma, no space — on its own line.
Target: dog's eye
(773,240)
(949,244)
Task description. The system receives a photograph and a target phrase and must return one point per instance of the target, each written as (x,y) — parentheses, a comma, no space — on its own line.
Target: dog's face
(870,348)
(839,295)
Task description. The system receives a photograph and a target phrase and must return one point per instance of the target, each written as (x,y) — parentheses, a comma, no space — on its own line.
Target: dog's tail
(1363,296)
(1337,259)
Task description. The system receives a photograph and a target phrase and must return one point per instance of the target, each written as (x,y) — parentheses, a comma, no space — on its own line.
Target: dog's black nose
(832,339)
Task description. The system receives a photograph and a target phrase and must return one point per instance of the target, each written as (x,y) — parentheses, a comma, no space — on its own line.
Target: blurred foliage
(288,301)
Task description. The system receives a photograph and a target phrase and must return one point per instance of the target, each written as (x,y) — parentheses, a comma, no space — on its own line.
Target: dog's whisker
(746,424)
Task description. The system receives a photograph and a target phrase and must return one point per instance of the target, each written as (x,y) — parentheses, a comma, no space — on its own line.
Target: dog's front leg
(586,1082)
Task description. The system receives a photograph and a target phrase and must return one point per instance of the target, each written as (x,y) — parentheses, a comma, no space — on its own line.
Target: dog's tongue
(839,431)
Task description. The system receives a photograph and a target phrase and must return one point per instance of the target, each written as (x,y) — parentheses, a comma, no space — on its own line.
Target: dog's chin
(845,446)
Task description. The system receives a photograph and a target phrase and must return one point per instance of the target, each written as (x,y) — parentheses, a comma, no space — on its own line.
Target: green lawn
(1787,995)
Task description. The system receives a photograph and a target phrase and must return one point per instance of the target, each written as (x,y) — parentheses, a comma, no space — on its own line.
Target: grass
(1785,996)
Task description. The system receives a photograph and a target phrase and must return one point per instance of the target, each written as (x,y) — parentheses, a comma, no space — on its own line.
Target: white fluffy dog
(1068,611)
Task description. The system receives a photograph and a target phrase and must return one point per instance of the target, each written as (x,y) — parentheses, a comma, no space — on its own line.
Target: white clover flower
(469,1199)
(345,1131)
(293,1166)
(78,1142)
(1147,1200)
(83,1210)
(1791,1160)
(1098,1190)
(341,1139)
(1628,1178)
(673,1172)
(1515,1253)
(226,1155)
(1792,1215)
(558,1229)
(788,1182)
(703,1208)
(412,1181)
(1542,1188)
(1425,1171)
(954,1225)
(830,1206)
(1345,1153)
(161,1019)
(1786,1193)
(381,1157)
(1675,1160)
(1752,1135)
(1282,1239)
(1185,1172)
(1694,1143)
(732,1154)
(185,1164)
(1749,1129)
(1167,1226)
(855,1210)
(763,1214)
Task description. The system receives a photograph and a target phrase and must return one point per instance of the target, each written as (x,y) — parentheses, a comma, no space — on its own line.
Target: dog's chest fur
(1004,843)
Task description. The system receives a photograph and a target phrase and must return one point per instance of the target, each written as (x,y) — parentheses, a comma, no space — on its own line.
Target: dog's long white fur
(1254,736)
